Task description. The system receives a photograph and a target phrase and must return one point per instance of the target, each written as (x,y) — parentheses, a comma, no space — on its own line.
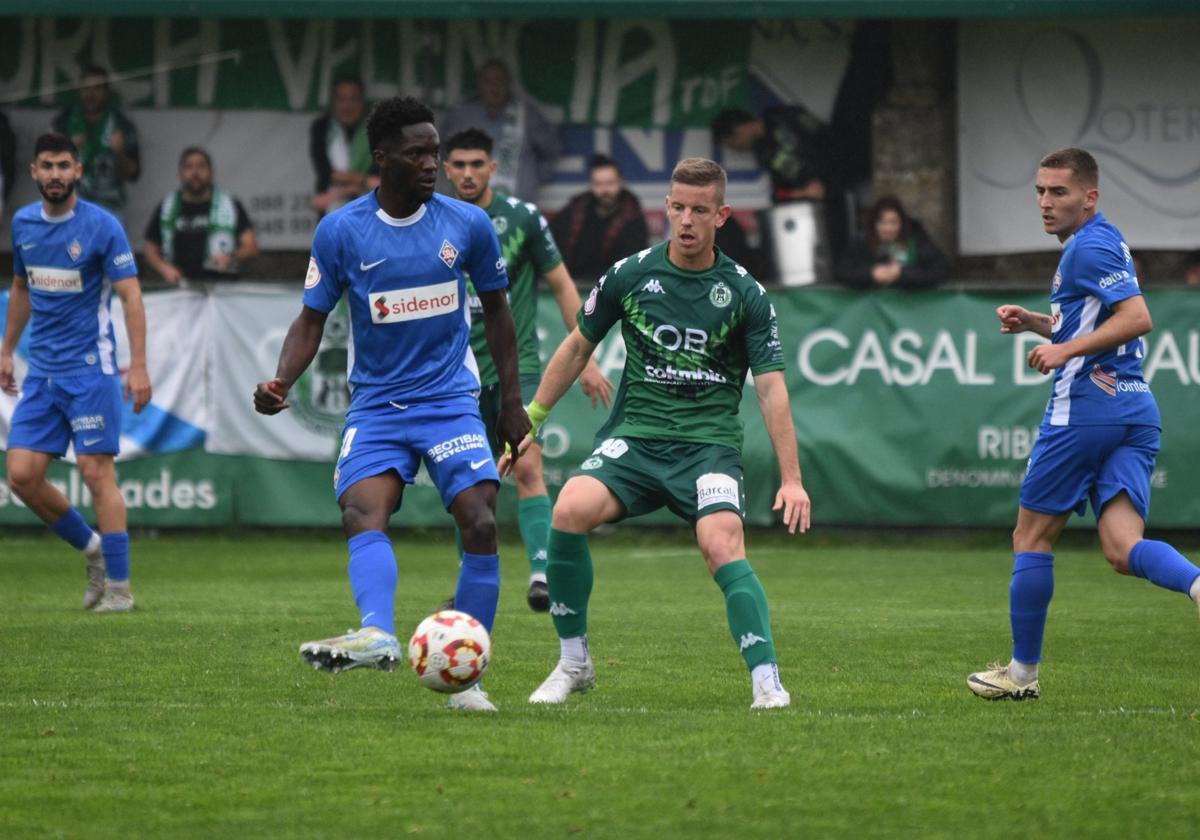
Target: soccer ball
(449,651)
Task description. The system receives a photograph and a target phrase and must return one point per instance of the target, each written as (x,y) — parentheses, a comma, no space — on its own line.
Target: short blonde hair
(700,172)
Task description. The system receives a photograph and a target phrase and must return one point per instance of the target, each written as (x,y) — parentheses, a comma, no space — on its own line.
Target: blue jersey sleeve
(484,263)
(325,280)
(18,260)
(119,263)
(1103,268)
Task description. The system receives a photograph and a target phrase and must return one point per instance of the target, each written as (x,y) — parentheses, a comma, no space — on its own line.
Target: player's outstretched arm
(137,380)
(1016,319)
(594,383)
(501,333)
(1130,320)
(776,410)
(299,348)
(18,318)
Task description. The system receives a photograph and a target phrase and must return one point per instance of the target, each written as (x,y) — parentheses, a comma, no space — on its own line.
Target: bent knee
(479,529)
(1117,555)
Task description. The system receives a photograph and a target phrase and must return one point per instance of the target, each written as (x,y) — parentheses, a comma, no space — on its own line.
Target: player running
(694,323)
(402,254)
(1100,432)
(69,256)
(529,250)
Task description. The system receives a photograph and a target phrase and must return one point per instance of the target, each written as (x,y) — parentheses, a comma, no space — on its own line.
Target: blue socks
(1028,601)
(373,578)
(1163,566)
(73,529)
(479,587)
(115,547)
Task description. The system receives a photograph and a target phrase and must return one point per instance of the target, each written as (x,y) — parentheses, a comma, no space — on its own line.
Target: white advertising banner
(1124,89)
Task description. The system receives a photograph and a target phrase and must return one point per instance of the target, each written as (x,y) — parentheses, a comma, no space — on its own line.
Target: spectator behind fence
(526,144)
(1191,268)
(199,231)
(600,225)
(8,161)
(337,145)
(107,141)
(894,251)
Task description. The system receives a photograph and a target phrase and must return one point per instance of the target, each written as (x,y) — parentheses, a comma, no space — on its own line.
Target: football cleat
(95,573)
(771,699)
(448,604)
(566,678)
(116,598)
(998,684)
(538,596)
(474,699)
(369,647)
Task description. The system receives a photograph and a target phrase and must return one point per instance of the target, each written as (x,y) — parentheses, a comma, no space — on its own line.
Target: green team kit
(674,437)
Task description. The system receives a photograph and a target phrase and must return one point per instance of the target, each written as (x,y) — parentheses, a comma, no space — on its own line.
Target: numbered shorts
(55,411)
(449,439)
(691,479)
(1072,465)
(489,408)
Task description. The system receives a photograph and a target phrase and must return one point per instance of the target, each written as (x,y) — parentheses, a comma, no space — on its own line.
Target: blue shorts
(1072,465)
(449,438)
(55,410)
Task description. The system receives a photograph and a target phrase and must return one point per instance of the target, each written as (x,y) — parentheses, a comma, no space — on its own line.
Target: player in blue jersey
(402,254)
(1100,433)
(69,256)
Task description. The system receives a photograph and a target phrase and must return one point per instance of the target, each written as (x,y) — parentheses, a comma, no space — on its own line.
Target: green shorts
(691,479)
(489,408)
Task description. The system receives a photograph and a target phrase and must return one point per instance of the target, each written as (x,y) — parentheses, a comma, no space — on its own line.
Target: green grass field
(194,716)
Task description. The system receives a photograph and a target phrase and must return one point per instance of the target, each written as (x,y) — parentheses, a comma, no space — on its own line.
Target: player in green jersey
(528,249)
(694,324)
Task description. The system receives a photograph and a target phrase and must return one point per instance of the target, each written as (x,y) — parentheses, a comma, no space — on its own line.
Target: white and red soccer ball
(449,651)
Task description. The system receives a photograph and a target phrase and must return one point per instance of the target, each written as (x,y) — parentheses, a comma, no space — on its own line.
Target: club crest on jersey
(720,296)
(74,249)
(500,223)
(448,253)
(1057,281)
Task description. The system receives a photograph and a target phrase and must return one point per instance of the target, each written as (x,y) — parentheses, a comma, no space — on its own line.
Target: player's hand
(793,500)
(1014,319)
(116,141)
(172,274)
(886,273)
(513,426)
(8,381)
(505,465)
(137,385)
(271,397)
(1047,357)
(595,384)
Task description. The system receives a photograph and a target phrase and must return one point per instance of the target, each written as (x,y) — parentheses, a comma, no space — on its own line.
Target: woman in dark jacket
(894,252)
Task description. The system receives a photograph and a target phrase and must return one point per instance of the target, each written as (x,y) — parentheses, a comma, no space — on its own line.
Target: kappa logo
(750,640)
(655,287)
(562,609)
(74,249)
(448,254)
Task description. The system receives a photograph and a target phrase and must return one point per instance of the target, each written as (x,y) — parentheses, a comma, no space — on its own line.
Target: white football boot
(474,699)
(565,679)
(999,683)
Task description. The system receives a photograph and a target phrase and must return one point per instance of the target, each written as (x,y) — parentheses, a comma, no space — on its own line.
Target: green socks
(533,518)
(746,609)
(569,578)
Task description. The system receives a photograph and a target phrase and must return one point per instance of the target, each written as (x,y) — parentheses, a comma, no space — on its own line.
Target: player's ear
(1093,195)
(723,214)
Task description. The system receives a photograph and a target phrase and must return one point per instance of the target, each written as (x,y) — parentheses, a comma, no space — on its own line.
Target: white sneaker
(369,647)
(565,679)
(771,699)
(116,598)
(94,556)
(474,699)
(998,683)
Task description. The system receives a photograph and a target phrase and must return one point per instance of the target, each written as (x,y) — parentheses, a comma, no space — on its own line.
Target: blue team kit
(1100,433)
(414,383)
(72,390)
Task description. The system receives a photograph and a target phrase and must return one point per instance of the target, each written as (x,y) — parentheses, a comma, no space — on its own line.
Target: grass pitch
(194,716)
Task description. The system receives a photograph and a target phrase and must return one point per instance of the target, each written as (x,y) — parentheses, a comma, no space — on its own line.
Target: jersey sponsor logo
(674,375)
(415,304)
(1113,279)
(313,277)
(501,264)
(448,254)
(655,287)
(715,489)
(1106,382)
(457,446)
(88,423)
(589,305)
(691,339)
(122,260)
(720,296)
(74,250)
(366,266)
(1127,253)
(58,280)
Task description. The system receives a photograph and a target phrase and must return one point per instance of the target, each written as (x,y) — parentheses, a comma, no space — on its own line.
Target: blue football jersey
(69,264)
(406,286)
(1095,272)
